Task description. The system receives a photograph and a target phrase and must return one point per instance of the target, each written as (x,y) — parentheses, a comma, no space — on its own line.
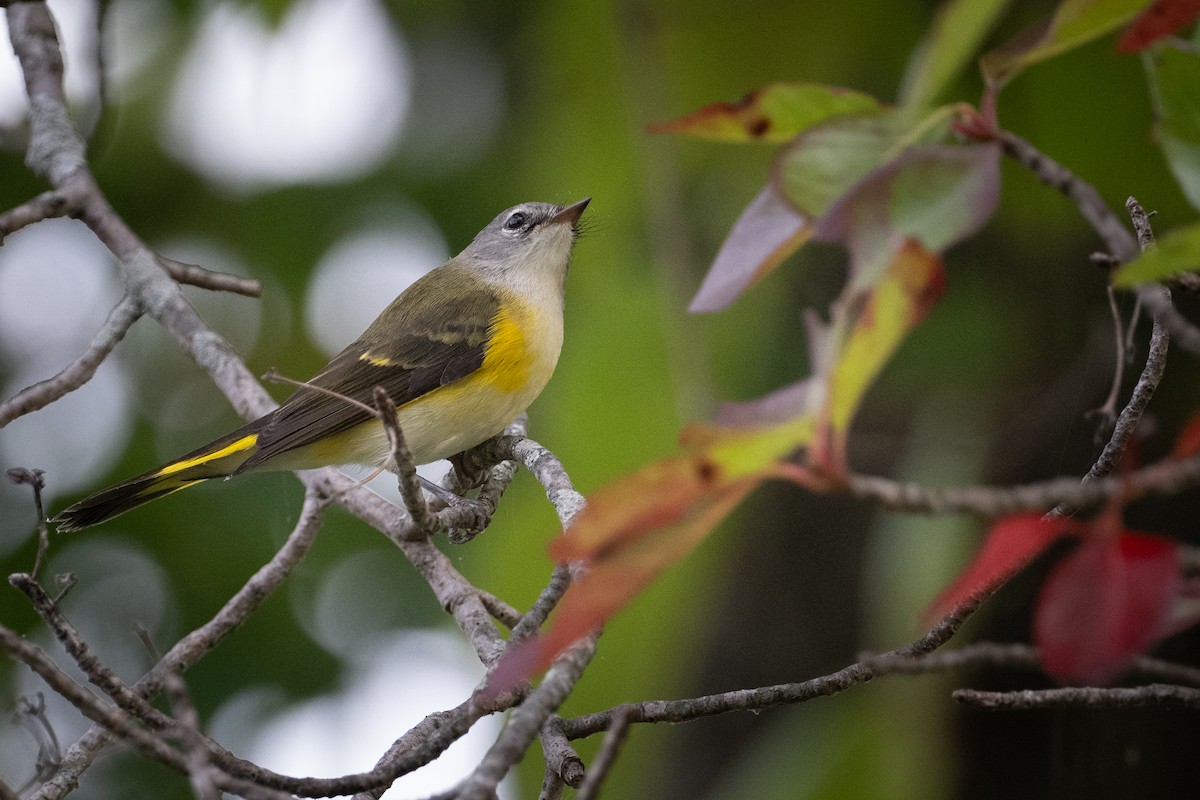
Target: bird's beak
(571,214)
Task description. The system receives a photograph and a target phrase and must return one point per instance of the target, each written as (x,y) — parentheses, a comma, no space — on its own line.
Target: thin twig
(1082,697)
(614,738)
(552,785)
(195,275)
(1156,363)
(202,774)
(36,480)
(1183,332)
(191,648)
(1108,409)
(560,756)
(1089,202)
(406,471)
(527,720)
(78,372)
(47,205)
(1164,477)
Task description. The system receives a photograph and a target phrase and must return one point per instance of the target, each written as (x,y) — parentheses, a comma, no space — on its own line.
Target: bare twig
(561,758)
(1141,223)
(406,471)
(1164,477)
(1117,239)
(31,714)
(614,738)
(202,775)
(47,205)
(1082,697)
(1156,362)
(194,275)
(1108,409)
(201,641)
(527,720)
(1091,205)
(1182,331)
(552,785)
(78,372)
(35,479)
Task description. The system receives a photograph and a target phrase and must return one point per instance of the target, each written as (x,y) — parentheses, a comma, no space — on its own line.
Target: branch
(47,205)
(195,275)
(1156,362)
(1091,205)
(1082,697)
(1164,477)
(410,484)
(609,748)
(1110,228)
(527,720)
(1184,333)
(201,641)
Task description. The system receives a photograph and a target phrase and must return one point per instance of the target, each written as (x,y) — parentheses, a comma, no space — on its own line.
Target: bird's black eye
(515,221)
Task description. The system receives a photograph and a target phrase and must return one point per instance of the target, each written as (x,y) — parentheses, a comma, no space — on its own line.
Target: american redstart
(462,352)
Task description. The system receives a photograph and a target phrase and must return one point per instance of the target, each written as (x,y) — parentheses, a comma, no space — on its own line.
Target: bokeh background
(335,150)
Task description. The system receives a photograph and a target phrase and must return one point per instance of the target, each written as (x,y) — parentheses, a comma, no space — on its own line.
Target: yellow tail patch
(244,443)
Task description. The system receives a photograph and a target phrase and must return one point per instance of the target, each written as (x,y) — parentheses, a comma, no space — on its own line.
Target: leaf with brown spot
(774,113)
(899,300)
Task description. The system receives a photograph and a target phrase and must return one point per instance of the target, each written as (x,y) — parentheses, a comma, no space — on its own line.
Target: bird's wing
(407,352)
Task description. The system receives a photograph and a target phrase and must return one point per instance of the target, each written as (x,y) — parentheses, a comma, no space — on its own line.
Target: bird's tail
(215,460)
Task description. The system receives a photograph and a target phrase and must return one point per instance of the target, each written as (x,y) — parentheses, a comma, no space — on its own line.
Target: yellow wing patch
(241,444)
(374,360)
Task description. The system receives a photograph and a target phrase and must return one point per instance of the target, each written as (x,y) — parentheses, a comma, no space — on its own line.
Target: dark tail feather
(118,499)
(214,460)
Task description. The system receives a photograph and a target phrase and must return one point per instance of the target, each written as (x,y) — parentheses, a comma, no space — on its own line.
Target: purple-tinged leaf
(768,231)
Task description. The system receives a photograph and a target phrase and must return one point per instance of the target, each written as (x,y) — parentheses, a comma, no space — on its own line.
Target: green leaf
(956,33)
(1175,83)
(774,113)
(936,194)
(1178,251)
(1074,23)
(823,163)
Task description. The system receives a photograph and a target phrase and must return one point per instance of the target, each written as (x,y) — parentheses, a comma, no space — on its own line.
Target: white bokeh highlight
(319,98)
(57,286)
(392,684)
(359,275)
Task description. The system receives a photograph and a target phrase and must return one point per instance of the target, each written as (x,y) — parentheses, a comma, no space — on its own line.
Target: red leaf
(1187,443)
(1161,18)
(1106,602)
(1011,543)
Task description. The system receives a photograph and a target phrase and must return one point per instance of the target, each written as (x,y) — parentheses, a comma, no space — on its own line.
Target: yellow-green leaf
(1074,23)
(1178,251)
(774,113)
(902,297)
(957,31)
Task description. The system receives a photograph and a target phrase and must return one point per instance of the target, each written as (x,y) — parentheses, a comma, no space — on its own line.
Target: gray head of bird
(530,239)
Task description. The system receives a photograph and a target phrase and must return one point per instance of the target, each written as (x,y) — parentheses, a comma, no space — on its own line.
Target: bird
(462,352)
